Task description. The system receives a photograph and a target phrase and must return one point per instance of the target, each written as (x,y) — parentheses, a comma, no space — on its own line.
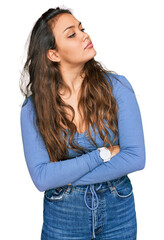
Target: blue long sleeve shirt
(87,168)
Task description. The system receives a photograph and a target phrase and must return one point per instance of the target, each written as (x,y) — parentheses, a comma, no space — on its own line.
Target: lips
(88,45)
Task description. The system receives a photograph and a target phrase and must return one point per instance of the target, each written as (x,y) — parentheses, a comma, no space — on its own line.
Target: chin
(95,53)
(92,55)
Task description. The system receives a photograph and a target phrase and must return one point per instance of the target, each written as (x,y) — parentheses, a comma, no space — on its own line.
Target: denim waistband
(104,185)
(92,188)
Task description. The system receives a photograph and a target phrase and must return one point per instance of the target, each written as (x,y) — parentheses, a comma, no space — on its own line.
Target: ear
(53,55)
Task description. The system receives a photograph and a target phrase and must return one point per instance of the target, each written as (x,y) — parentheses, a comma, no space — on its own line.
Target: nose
(85,36)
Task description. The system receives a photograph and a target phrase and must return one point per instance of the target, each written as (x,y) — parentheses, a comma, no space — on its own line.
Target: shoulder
(120,84)
(28,102)
(27,106)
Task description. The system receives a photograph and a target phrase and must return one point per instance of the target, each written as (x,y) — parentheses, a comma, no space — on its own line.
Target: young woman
(82,134)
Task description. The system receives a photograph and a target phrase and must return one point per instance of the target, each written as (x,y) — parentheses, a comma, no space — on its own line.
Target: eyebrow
(71,26)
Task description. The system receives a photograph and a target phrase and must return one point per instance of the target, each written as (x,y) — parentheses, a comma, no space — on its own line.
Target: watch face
(105,154)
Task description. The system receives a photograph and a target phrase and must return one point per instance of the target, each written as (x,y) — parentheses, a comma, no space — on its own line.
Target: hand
(114,150)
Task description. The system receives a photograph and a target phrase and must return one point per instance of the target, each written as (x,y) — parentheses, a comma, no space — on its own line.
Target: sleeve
(45,174)
(132,154)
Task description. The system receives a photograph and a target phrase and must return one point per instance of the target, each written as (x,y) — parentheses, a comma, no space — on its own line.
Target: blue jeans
(97,211)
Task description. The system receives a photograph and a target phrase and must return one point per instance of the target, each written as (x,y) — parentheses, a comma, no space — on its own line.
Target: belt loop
(68,189)
(110,185)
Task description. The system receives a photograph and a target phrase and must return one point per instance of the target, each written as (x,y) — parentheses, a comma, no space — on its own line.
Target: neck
(72,77)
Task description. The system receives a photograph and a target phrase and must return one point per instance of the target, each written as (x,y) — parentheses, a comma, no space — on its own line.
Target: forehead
(63,21)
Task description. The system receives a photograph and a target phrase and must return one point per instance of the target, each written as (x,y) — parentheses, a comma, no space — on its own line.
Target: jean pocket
(123,189)
(57,194)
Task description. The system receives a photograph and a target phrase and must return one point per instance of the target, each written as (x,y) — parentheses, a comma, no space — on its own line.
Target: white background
(128,37)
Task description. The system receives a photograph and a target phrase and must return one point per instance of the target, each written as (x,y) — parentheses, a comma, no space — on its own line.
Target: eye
(74,33)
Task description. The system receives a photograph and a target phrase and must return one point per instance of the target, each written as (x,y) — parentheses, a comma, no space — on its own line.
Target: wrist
(105,154)
(111,151)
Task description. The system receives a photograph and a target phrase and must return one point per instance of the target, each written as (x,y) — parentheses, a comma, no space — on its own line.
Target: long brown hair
(96,100)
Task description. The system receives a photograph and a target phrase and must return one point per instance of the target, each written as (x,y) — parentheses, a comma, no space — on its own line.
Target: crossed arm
(114,150)
(88,168)
(132,155)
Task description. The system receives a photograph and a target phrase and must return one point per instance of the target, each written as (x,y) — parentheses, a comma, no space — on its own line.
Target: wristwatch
(105,153)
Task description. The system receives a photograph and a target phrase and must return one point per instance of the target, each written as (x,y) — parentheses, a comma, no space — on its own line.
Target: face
(71,40)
